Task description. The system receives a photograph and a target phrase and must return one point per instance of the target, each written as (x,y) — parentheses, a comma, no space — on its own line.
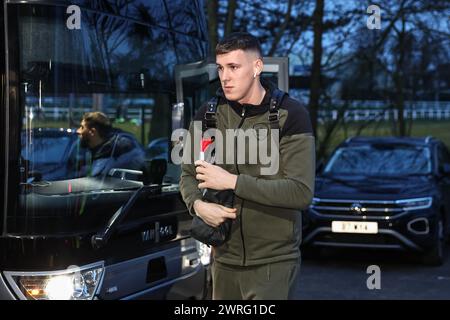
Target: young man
(262,258)
(110,148)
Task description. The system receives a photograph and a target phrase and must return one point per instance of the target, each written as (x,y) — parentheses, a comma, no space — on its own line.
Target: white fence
(385,115)
(58,114)
(442,112)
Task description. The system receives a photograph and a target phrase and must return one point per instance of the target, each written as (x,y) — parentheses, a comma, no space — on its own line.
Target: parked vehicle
(65,232)
(383,193)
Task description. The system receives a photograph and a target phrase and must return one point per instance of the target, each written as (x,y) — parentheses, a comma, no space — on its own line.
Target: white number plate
(354,227)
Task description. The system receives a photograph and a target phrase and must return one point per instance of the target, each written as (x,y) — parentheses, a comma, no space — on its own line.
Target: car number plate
(354,227)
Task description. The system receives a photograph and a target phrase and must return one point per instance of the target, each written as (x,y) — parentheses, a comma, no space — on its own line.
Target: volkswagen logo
(356,208)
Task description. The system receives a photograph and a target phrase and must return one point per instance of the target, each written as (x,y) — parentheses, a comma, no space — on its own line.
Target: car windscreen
(380,160)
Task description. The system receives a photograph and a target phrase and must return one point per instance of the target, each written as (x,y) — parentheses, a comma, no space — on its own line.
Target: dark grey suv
(383,193)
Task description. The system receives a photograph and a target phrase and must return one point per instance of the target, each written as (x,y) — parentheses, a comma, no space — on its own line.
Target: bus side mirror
(154,171)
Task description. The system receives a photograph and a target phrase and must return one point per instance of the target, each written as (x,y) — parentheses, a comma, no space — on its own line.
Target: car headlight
(75,283)
(415,204)
(204,251)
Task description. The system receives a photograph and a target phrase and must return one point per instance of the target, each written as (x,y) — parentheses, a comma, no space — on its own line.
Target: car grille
(374,239)
(356,207)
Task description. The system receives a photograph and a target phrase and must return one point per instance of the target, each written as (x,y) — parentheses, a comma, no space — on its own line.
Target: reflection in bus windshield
(93,150)
(116,68)
(110,148)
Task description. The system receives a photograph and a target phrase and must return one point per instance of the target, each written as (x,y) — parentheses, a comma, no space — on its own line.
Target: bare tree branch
(282,29)
(213,23)
(231,12)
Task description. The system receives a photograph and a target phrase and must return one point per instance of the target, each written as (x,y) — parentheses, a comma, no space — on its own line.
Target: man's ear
(259,65)
(92,131)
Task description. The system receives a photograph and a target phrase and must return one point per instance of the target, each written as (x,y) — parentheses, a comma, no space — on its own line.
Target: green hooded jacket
(268,226)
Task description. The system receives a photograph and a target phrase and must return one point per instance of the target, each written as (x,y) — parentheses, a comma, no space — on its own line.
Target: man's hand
(212,213)
(214,177)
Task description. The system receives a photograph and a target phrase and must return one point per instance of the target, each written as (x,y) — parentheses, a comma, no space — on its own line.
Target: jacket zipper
(237,169)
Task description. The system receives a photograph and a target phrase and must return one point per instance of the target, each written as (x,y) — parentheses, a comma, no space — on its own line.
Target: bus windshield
(119,64)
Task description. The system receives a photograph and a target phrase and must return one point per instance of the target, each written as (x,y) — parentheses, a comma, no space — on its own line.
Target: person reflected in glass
(110,147)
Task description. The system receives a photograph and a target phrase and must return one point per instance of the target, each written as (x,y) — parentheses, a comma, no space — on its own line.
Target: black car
(383,193)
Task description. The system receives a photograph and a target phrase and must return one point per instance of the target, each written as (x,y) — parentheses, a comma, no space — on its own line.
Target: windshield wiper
(152,184)
(335,178)
(101,238)
(399,176)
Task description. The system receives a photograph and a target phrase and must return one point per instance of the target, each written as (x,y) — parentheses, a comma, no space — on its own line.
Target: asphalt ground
(343,274)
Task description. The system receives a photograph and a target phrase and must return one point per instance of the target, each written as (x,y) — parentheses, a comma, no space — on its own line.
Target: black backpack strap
(274,112)
(210,114)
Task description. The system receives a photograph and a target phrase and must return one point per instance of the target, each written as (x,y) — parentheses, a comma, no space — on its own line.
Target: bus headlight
(75,283)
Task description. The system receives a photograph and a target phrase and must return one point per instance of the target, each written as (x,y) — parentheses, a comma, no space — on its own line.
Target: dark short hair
(99,121)
(239,41)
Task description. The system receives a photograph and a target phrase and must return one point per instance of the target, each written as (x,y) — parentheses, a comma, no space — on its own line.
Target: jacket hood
(116,142)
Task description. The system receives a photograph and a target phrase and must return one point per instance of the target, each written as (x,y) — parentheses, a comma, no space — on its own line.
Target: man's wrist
(233,181)
(196,204)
